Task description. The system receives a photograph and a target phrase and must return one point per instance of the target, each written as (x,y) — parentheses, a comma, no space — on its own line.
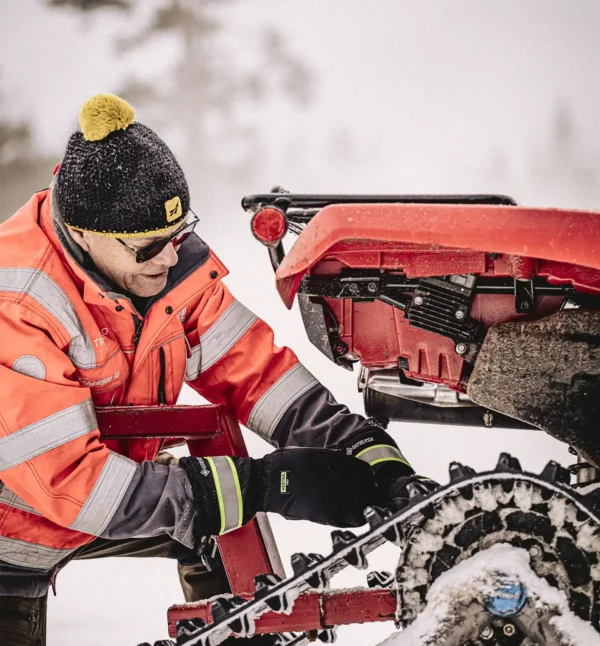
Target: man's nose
(167,257)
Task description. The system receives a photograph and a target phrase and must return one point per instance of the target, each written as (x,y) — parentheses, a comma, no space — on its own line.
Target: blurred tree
(209,99)
(566,164)
(90,5)
(207,104)
(22,170)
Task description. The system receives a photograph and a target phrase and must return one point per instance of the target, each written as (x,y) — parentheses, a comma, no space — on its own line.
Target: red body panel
(445,232)
(423,240)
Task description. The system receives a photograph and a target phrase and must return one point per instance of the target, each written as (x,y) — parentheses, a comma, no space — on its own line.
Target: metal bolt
(460,348)
(372,287)
(486,633)
(525,305)
(353,287)
(535,551)
(418,300)
(459,314)
(509,630)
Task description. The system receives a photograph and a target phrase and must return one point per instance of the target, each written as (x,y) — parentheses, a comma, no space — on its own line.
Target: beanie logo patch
(173,209)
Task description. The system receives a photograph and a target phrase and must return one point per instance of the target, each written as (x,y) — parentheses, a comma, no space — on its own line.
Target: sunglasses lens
(152,250)
(180,238)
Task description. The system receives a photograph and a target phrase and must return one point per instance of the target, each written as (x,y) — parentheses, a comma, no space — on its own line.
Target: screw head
(459,314)
(509,630)
(525,305)
(486,633)
(418,300)
(372,287)
(535,551)
(460,348)
(353,288)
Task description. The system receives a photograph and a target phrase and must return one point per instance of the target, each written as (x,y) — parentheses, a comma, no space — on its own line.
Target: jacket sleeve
(52,461)
(233,360)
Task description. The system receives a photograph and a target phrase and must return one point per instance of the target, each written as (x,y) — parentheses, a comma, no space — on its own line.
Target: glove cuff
(374,446)
(208,516)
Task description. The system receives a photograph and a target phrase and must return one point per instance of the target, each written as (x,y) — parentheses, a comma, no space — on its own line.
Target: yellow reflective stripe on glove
(229,495)
(381,453)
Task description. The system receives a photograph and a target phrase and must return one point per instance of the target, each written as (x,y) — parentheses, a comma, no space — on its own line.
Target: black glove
(319,485)
(395,478)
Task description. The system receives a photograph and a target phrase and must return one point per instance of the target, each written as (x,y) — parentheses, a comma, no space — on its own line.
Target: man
(108,297)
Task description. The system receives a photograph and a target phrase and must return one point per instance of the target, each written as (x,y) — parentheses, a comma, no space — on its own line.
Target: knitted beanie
(118,178)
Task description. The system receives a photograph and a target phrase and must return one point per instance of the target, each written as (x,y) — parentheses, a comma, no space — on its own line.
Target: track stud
(555,472)
(222,606)
(327,636)
(375,517)
(341,539)
(302,562)
(416,490)
(457,471)
(506,462)
(264,582)
(379,579)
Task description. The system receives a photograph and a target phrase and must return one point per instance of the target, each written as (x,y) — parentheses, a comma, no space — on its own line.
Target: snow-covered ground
(473,580)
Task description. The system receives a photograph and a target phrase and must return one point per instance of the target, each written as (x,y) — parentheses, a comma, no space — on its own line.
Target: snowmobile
(458,309)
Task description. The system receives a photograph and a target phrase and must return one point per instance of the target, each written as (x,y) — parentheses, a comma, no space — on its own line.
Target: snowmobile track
(540,513)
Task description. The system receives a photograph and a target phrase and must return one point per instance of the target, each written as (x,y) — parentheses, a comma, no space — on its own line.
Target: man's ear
(79,239)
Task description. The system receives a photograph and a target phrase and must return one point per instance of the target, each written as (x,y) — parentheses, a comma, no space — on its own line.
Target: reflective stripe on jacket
(68,342)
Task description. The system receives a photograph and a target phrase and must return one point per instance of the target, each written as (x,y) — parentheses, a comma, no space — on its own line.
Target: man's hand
(403,489)
(396,479)
(320,485)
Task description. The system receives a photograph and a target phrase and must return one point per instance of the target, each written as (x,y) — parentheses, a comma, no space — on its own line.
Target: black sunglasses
(154,248)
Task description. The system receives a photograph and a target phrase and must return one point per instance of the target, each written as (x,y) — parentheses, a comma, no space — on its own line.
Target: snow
(473,580)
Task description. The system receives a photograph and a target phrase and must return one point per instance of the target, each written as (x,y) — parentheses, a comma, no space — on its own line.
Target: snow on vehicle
(460,310)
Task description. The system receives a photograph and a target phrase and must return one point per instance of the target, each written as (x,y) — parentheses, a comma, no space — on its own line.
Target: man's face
(118,263)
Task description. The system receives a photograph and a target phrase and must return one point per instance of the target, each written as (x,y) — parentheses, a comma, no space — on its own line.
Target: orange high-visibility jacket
(69,341)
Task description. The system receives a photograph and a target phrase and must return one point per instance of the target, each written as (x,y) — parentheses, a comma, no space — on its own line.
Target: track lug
(281,603)
(222,606)
(458,471)
(303,562)
(379,579)
(555,472)
(506,462)
(327,636)
(375,517)
(416,490)
(264,582)
(341,539)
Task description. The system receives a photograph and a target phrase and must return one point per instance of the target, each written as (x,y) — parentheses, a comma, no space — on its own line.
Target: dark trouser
(23,620)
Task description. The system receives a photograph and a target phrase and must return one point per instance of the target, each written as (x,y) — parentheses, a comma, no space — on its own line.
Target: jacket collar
(193,254)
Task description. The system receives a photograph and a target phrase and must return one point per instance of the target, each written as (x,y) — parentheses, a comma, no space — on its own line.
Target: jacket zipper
(162,398)
(139,324)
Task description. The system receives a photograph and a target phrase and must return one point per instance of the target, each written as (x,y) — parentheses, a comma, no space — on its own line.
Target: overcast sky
(429,94)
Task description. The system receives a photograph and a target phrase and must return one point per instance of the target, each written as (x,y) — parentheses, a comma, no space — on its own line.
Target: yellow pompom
(103,114)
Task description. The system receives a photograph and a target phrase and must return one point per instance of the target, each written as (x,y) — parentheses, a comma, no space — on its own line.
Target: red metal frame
(312,611)
(250,550)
